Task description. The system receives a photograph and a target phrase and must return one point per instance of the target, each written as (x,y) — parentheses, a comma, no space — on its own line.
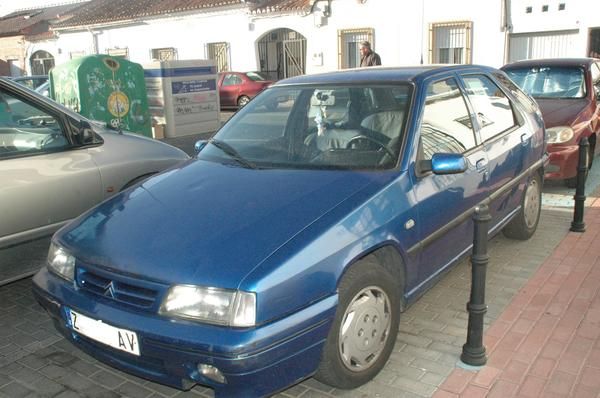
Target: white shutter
(543,45)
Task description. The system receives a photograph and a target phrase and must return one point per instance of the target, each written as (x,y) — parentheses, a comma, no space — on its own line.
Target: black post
(578,225)
(474,351)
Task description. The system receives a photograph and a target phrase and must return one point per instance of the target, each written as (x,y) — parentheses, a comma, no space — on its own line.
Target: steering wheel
(360,138)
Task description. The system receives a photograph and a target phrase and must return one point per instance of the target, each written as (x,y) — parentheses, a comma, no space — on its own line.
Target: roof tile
(25,21)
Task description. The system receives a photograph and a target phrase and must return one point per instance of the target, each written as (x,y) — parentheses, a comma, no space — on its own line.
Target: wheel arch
(390,258)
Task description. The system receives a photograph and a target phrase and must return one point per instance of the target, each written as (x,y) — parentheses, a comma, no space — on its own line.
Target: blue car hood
(206,223)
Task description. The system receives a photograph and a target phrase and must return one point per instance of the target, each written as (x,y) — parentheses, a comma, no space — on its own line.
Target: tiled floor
(547,341)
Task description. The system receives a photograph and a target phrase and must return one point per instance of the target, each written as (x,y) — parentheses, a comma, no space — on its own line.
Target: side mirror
(85,135)
(199,145)
(444,163)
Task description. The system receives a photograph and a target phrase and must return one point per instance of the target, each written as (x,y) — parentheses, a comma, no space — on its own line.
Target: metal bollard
(473,352)
(578,225)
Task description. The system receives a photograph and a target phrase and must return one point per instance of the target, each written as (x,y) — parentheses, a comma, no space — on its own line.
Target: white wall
(580,15)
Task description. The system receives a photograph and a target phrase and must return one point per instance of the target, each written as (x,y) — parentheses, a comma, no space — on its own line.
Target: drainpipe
(94,40)
(506,28)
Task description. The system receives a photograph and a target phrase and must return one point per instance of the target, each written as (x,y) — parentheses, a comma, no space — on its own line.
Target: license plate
(121,339)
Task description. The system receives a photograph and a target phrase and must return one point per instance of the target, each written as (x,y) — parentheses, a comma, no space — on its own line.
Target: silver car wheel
(532,203)
(364,329)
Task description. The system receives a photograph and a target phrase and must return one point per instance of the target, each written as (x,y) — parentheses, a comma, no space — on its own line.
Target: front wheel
(365,326)
(524,224)
(243,101)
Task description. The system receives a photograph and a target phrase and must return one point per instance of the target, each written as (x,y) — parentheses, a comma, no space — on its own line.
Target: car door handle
(481,165)
(525,138)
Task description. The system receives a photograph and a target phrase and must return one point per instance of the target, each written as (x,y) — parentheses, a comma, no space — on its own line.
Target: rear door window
(446,125)
(492,107)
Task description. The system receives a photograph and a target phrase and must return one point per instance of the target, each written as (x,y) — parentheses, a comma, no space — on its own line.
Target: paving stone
(133,390)
(76,382)
(15,390)
(46,386)
(68,394)
(107,379)
(415,387)
(4,380)
(159,388)
(432,366)
(97,391)
(26,376)
(433,379)
(34,361)
(411,339)
(10,368)
(84,368)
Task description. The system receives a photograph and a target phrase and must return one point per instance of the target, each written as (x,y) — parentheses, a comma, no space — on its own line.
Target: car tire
(572,182)
(524,224)
(243,101)
(365,326)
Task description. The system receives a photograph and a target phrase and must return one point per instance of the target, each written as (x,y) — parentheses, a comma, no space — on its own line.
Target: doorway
(41,62)
(282,54)
(594,43)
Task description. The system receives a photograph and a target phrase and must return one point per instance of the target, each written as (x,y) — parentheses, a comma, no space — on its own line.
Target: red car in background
(567,92)
(236,89)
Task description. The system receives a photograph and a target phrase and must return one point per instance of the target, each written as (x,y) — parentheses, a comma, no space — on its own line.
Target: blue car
(291,245)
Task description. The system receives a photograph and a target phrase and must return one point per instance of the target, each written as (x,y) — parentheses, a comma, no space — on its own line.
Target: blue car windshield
(550,81)
(316,127)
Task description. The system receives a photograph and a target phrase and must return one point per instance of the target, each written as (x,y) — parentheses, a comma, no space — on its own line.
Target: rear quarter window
(523,99)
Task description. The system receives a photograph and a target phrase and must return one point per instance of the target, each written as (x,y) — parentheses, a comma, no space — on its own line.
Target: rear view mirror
(444,163)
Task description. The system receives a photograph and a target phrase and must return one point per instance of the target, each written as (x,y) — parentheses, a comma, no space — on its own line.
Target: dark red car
(567,91)
(237,88)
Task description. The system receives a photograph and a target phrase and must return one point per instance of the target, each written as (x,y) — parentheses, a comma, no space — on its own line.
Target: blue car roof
(374,74)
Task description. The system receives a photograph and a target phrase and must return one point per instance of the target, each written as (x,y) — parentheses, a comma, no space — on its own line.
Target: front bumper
(255,362)
(563,162)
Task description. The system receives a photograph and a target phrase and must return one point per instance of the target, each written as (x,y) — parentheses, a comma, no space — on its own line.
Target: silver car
(54,165)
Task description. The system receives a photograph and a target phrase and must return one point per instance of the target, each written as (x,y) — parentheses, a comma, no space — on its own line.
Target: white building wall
(578,15)
(401,31)
(488,37)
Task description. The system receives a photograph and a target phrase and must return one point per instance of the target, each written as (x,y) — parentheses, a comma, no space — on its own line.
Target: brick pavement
(35,361)
(547,341)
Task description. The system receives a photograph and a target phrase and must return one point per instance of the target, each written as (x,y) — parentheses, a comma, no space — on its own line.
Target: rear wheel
(524,224)
(364,330)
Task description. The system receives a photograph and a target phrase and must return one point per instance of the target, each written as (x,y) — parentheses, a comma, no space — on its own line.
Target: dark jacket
(371,59)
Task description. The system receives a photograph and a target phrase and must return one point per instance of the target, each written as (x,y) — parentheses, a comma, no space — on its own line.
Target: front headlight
(211,305)
(61,262)
(559,135)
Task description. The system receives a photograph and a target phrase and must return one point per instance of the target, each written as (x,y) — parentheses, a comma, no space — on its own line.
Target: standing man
(368,57)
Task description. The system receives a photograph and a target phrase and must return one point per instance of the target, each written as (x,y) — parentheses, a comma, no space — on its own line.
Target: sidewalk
(546,343)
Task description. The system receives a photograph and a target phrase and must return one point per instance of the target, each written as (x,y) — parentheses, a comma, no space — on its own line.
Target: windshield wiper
(229,150)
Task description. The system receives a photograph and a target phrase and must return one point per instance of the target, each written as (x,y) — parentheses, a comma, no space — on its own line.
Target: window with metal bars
(118,52)
(163,54)
(219,52)
(349,44)
(450,42)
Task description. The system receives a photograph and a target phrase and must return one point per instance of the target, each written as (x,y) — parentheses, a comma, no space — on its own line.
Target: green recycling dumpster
(105,88)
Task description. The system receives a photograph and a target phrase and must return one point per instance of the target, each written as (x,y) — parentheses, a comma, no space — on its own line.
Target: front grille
(116,288)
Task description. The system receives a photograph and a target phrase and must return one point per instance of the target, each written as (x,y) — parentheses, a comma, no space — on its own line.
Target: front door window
(26,129)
